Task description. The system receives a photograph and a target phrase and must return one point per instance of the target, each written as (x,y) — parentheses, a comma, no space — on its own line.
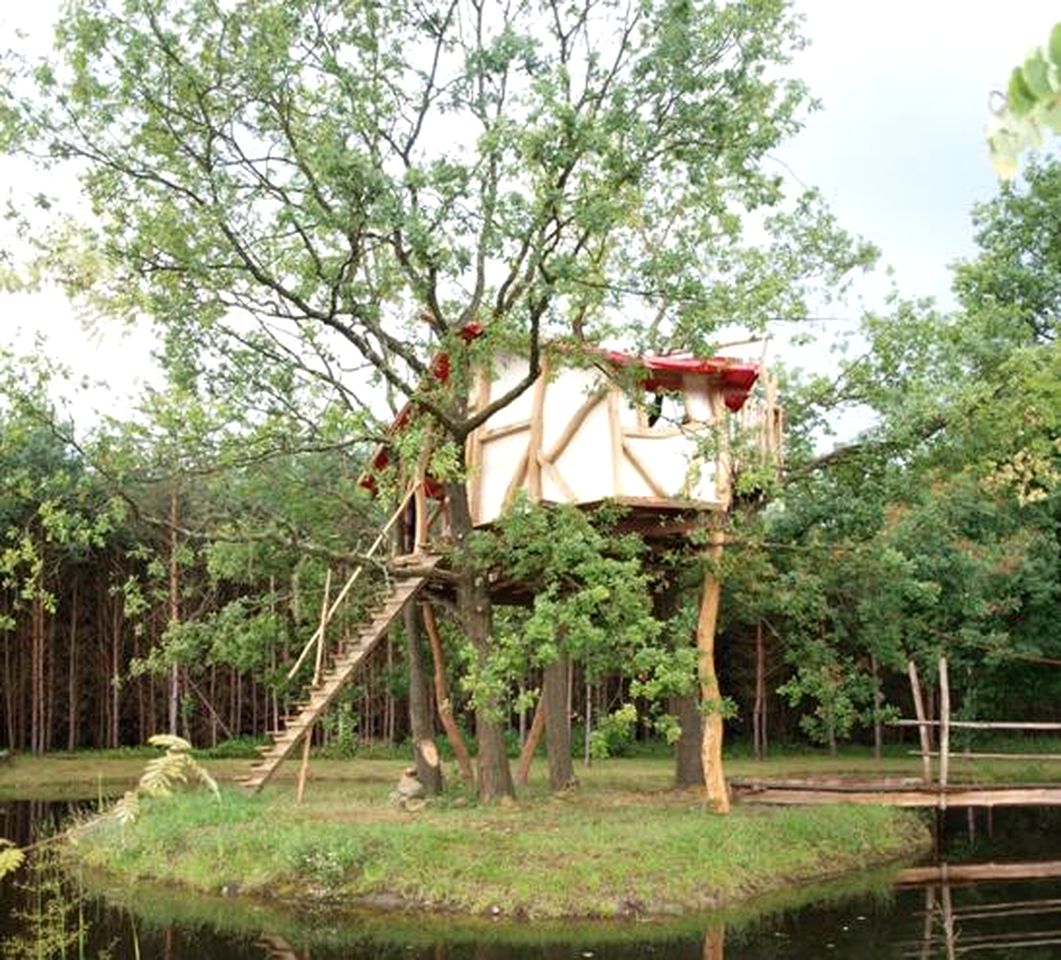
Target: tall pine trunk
(174,605)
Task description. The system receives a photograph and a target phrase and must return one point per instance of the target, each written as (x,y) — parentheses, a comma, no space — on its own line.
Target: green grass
(89,774)
(623,844)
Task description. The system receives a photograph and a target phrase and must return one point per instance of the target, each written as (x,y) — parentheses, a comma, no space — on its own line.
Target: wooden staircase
(344,665)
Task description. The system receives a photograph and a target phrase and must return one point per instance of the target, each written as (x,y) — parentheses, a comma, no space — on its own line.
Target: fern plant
(163,774)
(11,857)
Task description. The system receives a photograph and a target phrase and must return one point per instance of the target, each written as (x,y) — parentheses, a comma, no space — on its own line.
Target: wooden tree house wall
(578,437)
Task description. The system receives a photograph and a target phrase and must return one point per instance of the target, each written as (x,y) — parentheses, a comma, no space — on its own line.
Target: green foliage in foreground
(593,855)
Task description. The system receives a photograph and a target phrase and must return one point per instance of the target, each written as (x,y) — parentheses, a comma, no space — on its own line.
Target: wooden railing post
(922,723)
(944,731)
(318,669)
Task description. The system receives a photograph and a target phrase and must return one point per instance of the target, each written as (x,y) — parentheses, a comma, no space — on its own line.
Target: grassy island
(621,845)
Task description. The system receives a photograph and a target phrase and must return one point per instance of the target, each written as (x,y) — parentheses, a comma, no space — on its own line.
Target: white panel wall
(586,464)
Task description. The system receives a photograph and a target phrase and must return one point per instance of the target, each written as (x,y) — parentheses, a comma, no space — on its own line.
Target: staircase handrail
(318,634)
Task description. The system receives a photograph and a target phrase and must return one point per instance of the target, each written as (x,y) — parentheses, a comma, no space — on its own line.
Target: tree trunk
(558,724)
(9,694)
(587,730)
(174,605)
(36,706)
(759,710)
(689,764)
(476,612)
(428,766)
(116,667)
(878,706)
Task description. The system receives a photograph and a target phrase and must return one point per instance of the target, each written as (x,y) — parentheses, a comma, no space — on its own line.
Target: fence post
(922,723)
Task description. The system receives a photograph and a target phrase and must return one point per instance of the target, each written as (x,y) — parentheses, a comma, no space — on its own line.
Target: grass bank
(605,850)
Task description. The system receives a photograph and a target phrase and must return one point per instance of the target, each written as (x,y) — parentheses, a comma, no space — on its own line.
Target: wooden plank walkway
(789,793)
(974,872)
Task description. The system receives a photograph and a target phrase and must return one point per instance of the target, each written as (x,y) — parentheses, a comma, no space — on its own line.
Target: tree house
(663,436)
(649,433)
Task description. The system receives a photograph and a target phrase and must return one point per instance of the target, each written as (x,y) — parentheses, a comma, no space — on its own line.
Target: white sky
(898,150)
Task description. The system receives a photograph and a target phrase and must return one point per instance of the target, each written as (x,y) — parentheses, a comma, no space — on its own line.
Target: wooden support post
(442,700)
(534,735)
(616,432)
(922,722)
(723,456)
(710,695)
(318,669)
(715,943)
(949,939)
(944,730)
(927,937)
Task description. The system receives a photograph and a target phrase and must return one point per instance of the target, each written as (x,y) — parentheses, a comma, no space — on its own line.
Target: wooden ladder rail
(318,634)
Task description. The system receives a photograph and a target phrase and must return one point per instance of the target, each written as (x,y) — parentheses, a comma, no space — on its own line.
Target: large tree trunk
(759,710)
(476,613)
(689,764)
(428,767)
(558,724)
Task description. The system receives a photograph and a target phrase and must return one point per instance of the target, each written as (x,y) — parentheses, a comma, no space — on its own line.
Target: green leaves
(162,776)
(11,858)
(1032,103)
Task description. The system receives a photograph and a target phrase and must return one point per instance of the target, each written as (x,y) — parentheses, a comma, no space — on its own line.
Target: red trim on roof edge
(735,377)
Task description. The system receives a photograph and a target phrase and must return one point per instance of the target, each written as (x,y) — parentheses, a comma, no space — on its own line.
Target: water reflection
(985,896)
(275,947)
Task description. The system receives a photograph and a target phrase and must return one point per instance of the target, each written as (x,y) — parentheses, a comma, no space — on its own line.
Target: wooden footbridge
(932,791)
(810,792)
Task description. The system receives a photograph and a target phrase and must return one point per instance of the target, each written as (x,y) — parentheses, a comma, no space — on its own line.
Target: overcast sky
(898,148)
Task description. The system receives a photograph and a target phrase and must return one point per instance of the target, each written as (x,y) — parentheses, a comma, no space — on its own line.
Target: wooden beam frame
(575,424)
(639,466)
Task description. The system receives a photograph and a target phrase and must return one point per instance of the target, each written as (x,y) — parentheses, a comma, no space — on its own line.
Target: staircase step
(341,666)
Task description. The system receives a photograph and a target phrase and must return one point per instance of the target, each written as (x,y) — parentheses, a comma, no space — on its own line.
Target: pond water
(862,918)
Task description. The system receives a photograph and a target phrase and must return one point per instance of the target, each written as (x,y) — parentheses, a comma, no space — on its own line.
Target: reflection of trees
(276,947)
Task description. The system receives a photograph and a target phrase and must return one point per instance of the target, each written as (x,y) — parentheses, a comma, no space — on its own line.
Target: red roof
(735,377)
